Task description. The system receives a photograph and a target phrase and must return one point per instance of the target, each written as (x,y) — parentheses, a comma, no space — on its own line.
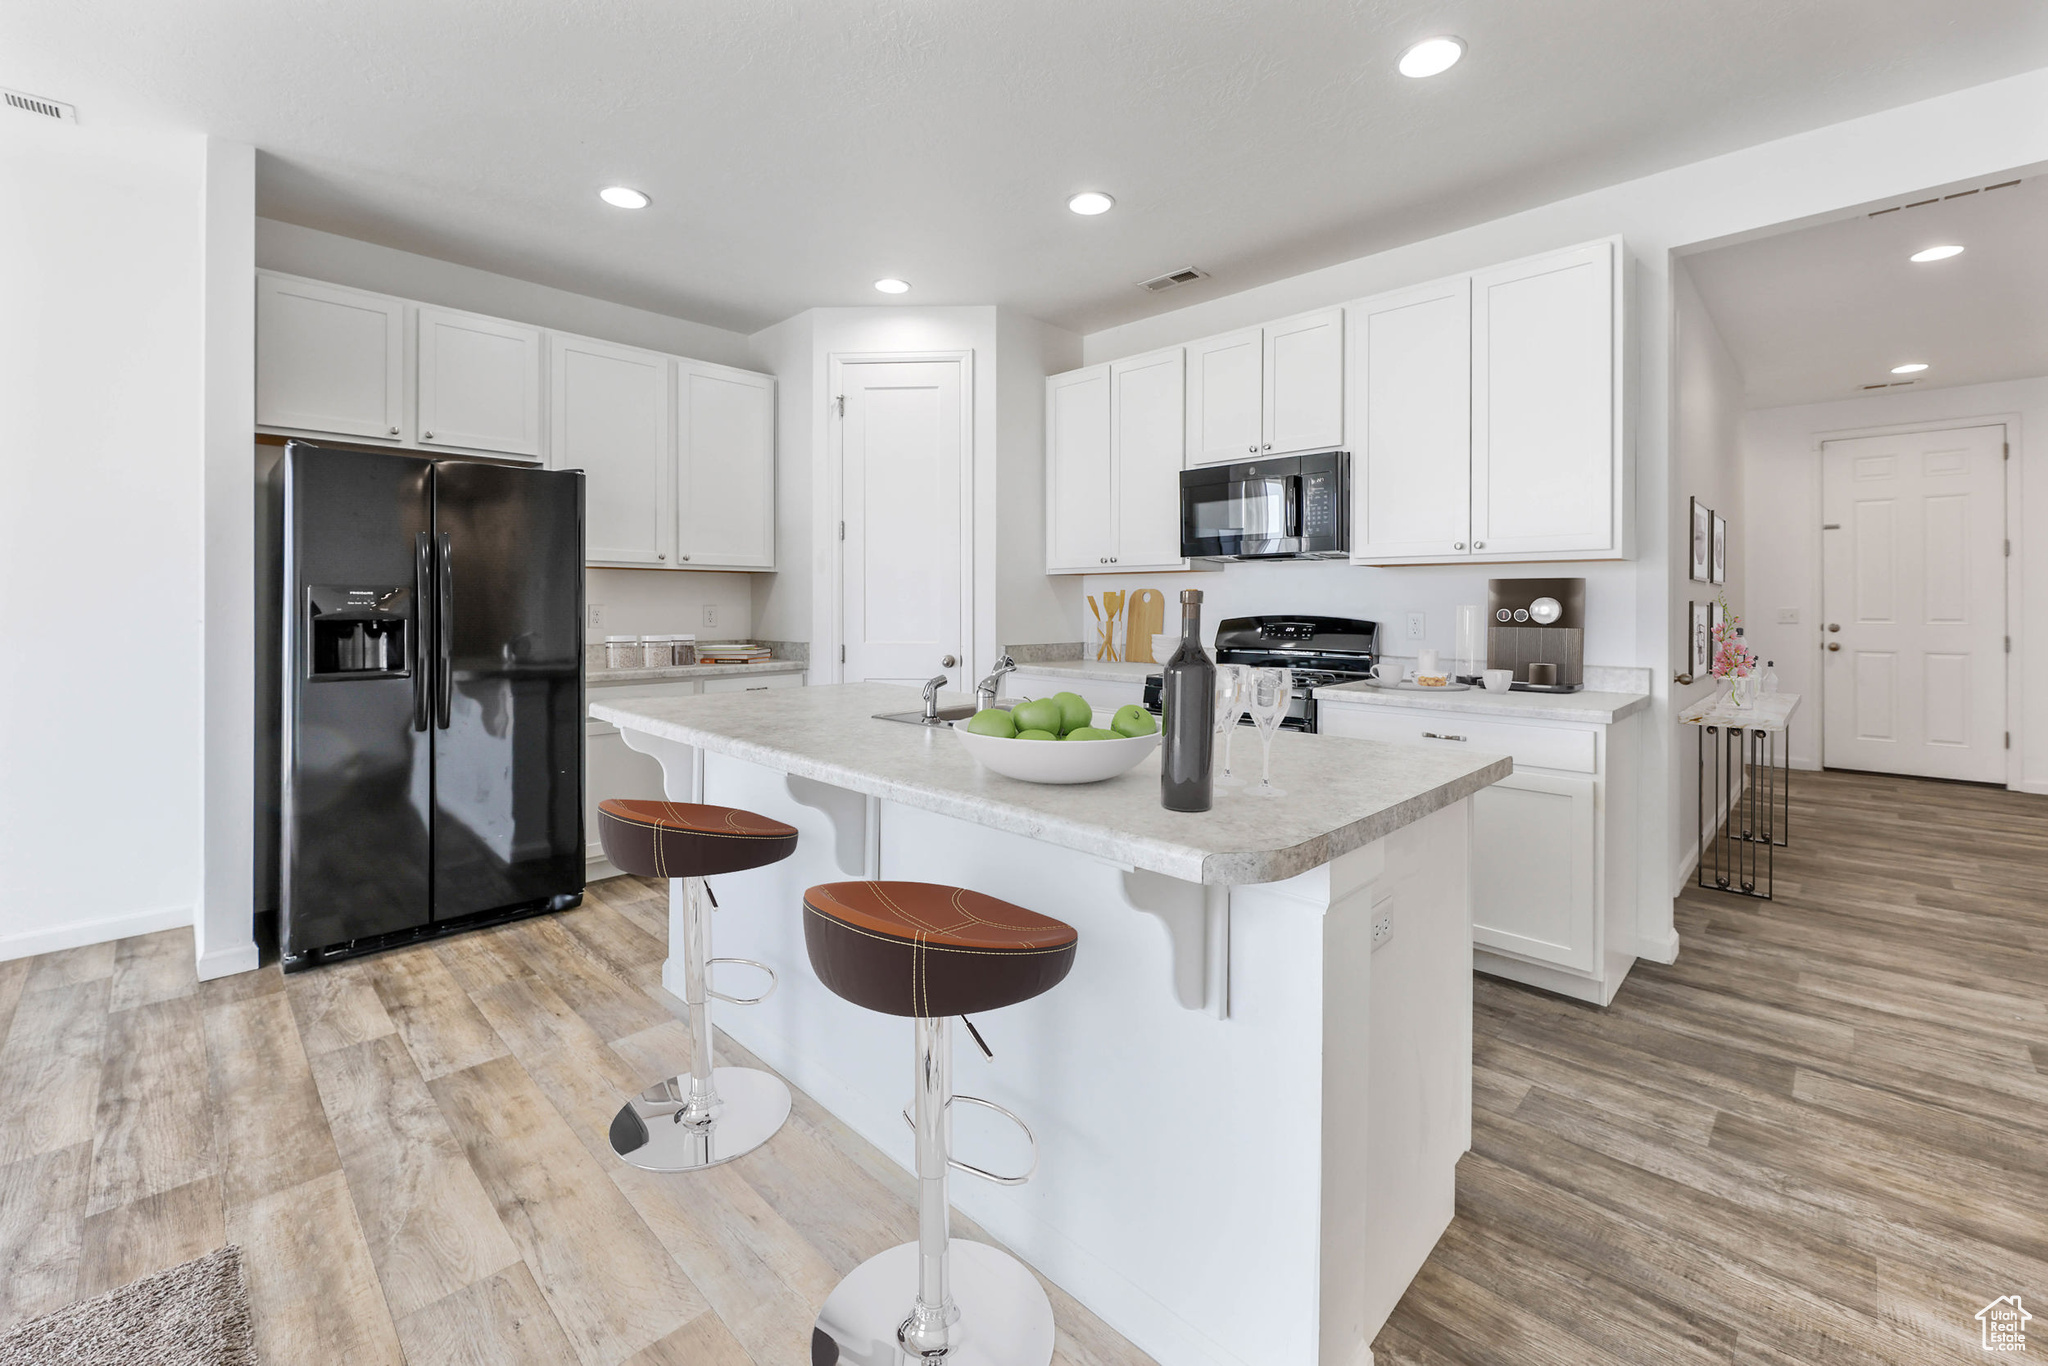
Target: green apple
(1132,719)
(1036,735)
(1074,711)
(993,721)
(1092,733)
(1039,714)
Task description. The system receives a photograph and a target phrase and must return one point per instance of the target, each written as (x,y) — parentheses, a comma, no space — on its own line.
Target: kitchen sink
(947,715)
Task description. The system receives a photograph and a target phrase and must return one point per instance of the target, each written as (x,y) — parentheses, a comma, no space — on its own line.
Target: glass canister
(686,649)
(657,652)
(622,652)
(1471,653)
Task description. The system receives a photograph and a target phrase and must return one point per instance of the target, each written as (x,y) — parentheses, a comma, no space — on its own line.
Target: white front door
(1913,603)
(903,596)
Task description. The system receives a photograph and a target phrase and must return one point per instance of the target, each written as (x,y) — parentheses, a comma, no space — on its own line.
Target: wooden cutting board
(1144,619)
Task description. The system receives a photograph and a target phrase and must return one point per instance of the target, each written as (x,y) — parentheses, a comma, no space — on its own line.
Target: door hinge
(841,401)
(842,654)
(2008,451)
(842,531)
(2008,644)
(2008,739)
(2008,547)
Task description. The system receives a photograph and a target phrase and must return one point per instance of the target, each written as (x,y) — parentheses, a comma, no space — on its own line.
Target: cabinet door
(1226,398)
(1304,394)
(725,459)
(1532,868)
(479,383)
(752,682)
(611,420)
(1411,462)
(1545,459)
(1147,404)
(1080,530)
(329,359)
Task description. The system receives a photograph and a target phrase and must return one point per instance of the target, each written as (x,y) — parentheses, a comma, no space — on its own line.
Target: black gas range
(1320,650)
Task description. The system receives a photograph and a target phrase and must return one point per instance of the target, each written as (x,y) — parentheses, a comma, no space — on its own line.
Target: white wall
(1032,607)
(782,600)
(668,601)
(1781,449)
(102,553)
(1985,130)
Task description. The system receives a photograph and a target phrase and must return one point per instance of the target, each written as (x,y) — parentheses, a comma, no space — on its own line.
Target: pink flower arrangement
(1732,658)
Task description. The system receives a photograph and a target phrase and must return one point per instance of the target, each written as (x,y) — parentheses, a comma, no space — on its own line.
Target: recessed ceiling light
(620,197)
(1091,202)
(1431,57)
(1913,368)
(893,286)
(1936,253)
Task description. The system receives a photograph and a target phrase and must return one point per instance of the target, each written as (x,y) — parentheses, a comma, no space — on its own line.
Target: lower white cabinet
(1553,848)
(1103,694)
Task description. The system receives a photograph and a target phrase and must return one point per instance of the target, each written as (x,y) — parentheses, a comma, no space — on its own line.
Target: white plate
(1057,761)
(1409,685)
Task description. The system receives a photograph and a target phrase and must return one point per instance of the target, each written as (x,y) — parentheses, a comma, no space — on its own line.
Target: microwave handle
(1294,506)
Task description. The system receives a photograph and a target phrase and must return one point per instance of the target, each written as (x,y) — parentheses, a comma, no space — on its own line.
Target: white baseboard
(79,933)
(1660,951)
(228,960)
(596,868)
(2037,787)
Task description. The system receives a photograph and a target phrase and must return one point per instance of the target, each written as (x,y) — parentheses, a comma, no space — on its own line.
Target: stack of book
(732,652)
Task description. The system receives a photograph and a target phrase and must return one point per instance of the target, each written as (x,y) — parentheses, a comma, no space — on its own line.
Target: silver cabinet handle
(1267,447)
(686,557)
(1253,449)
(394,431)
(1432,735)
(1479,545)
(1459,546)
(426,436)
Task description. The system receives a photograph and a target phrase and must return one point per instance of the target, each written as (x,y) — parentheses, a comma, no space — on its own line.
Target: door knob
(1834,626)
(1834,645)
(949,661)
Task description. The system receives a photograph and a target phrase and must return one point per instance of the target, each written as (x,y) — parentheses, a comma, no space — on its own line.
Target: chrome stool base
(752,1106)
(1005,1317)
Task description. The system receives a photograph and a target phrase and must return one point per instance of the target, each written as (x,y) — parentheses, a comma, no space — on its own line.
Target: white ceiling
(799,149)
(1816,314)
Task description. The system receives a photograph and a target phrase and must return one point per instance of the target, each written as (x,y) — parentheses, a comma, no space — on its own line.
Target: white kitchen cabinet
(725,467)
(610,417)
(1411,454)
(1226,398)
(1080,519)
(1553,844)
(479,383)
(752,682)
(1104,695)
(1547,470)
(1114,451)
(1304,383)
(329,359)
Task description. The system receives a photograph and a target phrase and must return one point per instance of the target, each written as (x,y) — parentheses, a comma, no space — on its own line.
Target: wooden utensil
(1103,644)
(1144,618)
(1112,605)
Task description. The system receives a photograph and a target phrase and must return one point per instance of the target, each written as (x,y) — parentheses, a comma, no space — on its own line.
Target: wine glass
(1272,690)
(1232,696)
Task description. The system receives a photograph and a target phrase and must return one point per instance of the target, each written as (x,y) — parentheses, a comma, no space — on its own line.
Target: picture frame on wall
(1702,540)
(1720,566)
(1702,635)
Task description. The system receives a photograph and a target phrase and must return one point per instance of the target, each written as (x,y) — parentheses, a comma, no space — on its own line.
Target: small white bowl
(1057,761)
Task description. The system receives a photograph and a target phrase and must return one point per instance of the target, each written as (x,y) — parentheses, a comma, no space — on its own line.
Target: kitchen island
(1249,1104)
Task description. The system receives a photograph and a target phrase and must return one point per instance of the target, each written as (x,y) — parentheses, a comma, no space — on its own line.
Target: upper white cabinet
(1411,454)
(611,420)
(479,383)
(725,467)
(1080,523)
(1114,451)
(1488,415)
(1267,390)
(329,359)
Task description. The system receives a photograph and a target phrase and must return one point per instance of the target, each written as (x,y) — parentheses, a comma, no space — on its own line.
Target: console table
(1745,787)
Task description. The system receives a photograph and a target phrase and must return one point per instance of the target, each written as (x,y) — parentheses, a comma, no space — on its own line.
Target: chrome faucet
(985,691)
(931,698)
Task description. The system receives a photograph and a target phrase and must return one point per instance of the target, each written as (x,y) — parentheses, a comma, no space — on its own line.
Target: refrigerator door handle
(422,585)
(444,633)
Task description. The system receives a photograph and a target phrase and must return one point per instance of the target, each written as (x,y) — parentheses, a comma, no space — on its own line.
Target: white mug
(1426,662)
(1381,673)
(1499,680)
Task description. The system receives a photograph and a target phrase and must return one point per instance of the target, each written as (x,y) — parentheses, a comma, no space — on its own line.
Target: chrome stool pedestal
(937,1301)
(715,1113)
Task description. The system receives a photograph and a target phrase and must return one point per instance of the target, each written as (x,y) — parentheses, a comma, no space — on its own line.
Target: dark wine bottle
(1187,697)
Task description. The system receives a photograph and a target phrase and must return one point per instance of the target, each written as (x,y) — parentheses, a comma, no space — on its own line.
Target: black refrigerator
(427,671)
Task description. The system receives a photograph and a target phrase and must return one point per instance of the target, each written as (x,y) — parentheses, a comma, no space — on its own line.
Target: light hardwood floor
(1817,1138)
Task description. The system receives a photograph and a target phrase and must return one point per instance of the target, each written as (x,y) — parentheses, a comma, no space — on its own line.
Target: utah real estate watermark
(2005,1324)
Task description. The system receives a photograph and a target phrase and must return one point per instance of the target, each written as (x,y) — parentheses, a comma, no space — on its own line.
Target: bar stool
(931,952)
(715,1114)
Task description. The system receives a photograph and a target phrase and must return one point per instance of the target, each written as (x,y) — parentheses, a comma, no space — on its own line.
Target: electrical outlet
(1417,624)
(596,610)
(711,614)
(1788,616)
(1382,929)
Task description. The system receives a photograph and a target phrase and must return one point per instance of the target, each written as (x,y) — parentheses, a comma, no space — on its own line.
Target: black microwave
(1293,506)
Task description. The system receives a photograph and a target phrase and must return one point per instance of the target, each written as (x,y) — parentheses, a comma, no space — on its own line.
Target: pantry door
(904,449)
(1913,629)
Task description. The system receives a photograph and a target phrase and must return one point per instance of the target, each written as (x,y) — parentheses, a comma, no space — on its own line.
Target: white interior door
(903,456)
(1913,603)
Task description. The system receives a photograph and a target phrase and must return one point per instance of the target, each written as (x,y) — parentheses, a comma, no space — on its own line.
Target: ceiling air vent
(36,104)
(1936,199)
(1889,384)
(1173,278)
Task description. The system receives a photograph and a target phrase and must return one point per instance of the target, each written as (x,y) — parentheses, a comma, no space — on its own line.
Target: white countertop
(1341,794)
(1101,670)
(1599,708)
(684,673)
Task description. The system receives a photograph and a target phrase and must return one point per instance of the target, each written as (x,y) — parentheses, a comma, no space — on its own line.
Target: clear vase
(1742,690)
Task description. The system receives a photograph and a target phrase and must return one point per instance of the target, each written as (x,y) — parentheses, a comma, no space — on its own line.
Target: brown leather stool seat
(925,950)
(684,839)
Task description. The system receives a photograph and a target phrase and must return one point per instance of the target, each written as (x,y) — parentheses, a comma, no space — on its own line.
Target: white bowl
(1057,761)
